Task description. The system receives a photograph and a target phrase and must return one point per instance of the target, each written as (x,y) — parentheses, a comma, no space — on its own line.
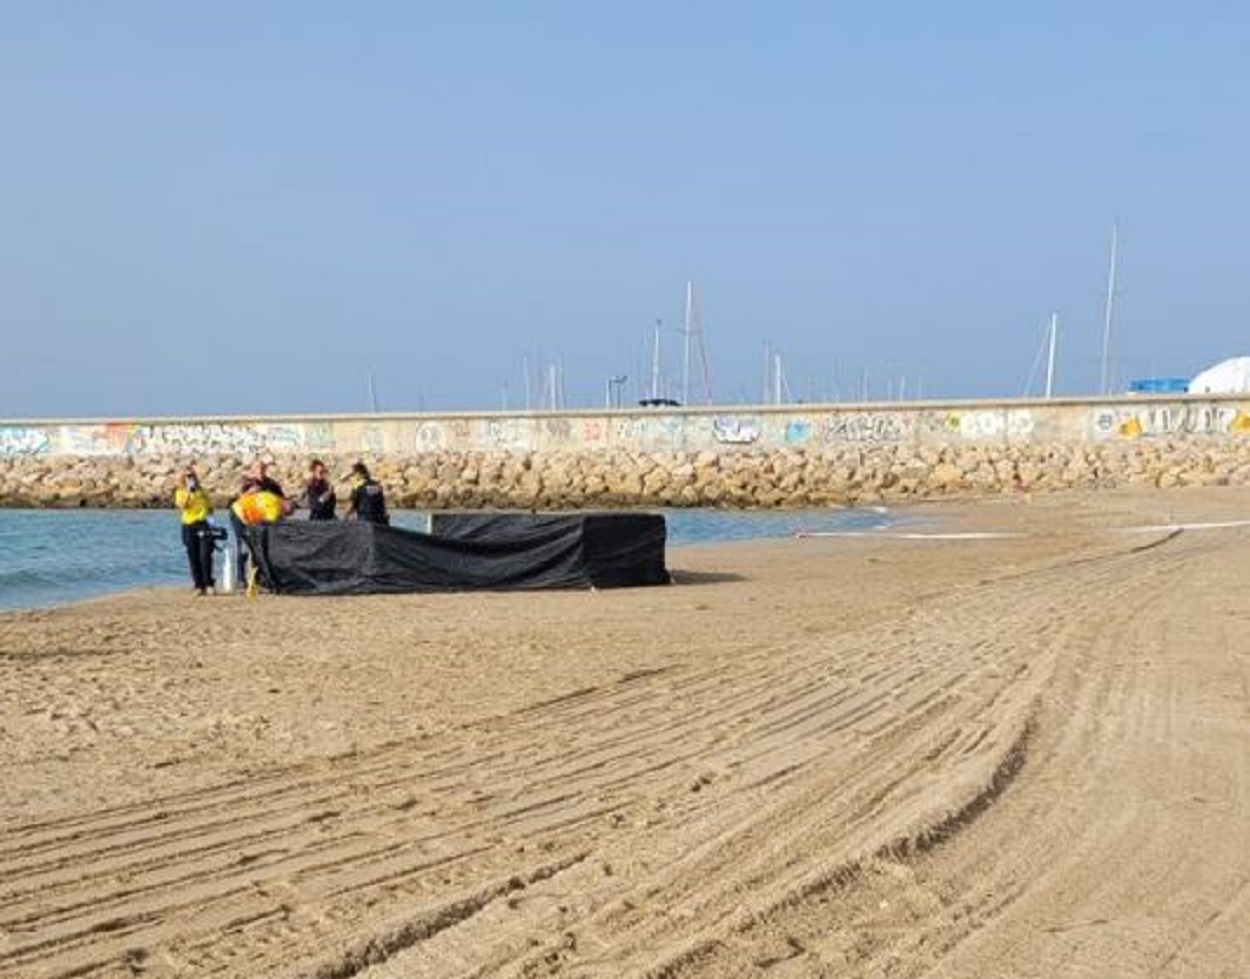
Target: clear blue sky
(246,207)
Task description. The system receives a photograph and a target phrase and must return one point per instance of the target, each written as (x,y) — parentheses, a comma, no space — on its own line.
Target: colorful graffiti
(736,429)
(867,426)
(797,431)
(648,431)
(1169,420)
(984,425)
(213,438)
(21,440)
(93,440)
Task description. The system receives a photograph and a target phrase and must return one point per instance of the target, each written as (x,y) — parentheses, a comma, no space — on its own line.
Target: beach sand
(1016,757)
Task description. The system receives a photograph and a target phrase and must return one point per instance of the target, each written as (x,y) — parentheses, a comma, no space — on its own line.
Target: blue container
(1159,385)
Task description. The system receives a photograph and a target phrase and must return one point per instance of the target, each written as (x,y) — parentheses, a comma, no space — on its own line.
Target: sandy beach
(1009,757)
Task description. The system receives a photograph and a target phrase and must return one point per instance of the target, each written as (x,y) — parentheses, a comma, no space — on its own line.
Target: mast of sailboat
(768,373)
(655,363)
(1105,387)
(1050,354)
(689,335)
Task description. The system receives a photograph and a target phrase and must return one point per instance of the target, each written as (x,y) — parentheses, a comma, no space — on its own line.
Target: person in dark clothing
(195,508)
(255,480)
(319,495)
(368,502)
(258,480)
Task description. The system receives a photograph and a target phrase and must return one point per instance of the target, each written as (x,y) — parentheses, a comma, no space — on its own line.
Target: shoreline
(756,520)
(962,519)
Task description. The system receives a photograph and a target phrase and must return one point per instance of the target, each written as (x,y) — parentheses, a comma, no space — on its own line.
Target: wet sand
(1016,757)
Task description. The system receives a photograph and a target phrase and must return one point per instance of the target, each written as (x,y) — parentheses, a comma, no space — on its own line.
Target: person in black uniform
(319,495)
(368,502)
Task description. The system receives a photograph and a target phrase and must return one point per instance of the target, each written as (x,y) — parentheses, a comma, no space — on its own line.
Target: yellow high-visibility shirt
(257,507)
(194,504)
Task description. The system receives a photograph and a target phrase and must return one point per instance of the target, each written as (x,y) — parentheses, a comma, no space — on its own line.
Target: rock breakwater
(732,477)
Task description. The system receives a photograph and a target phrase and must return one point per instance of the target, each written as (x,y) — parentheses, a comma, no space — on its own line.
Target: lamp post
(614,391)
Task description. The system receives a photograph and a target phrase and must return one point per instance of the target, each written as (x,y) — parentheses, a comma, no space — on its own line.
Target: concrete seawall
(750,456)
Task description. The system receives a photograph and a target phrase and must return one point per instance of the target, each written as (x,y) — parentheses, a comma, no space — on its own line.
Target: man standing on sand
(319,495)
(195,508)
(255,480)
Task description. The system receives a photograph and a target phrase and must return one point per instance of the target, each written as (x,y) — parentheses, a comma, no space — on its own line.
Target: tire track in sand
(651,817)
(1121,848)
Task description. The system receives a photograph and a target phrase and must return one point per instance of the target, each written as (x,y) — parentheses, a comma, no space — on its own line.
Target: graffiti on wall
(594,430)
(93,440)
(213,438)
(507,433)
(1174,420)
(628,429)
(430,435)
(664,431)
(866,426)
(319,437)
(21,440)
(984,425)
(736,429)
(797,427)
(557,429)
(797,431)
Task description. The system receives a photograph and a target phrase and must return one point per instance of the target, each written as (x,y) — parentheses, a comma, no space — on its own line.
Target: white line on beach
(911,534)
(1167,528)
(882,534)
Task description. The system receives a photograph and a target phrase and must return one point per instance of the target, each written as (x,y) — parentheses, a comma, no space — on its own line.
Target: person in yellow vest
(255,480)
(195,508)
(259,506)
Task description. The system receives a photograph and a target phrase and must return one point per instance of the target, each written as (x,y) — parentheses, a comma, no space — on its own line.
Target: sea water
(50,557)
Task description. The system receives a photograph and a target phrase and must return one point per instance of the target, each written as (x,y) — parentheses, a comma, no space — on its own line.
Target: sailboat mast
(768,373)
(685,362)
(655,363)
(1050,355)
(1106,326)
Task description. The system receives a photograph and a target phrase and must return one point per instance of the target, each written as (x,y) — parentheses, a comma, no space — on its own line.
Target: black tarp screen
(467,551)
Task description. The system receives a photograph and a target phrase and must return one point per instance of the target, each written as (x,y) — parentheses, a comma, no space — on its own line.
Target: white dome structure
(1227,377)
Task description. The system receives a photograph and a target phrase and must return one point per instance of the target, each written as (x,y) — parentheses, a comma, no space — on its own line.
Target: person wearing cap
(195,508)
(368,502)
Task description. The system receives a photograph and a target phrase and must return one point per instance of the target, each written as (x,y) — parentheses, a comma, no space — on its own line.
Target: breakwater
(741,457)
